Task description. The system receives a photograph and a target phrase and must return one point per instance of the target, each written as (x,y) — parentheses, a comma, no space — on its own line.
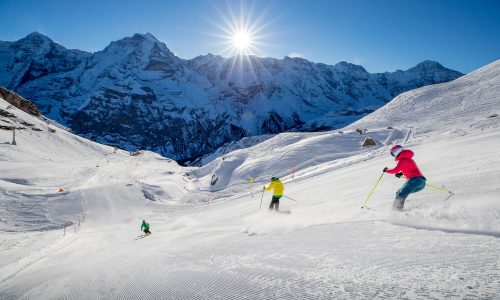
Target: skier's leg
(412,185)
(271,206)
(401,194)
(419,184)
(277,204)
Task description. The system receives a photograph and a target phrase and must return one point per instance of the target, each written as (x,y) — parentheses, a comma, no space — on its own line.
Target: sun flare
(242,32)
(242,40)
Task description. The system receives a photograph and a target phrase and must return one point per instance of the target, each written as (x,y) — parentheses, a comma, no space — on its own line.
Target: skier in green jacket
(145,227)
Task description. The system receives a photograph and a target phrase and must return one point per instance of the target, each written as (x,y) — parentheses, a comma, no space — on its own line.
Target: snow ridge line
(33,261)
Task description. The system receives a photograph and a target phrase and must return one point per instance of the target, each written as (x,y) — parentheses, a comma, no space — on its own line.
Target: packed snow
(71,211)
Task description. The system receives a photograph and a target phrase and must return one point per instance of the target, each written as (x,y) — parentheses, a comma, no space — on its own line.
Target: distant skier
(408,168)
(278,188)
(145,227)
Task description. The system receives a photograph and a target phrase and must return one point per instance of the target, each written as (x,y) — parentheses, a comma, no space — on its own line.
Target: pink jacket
(406,165)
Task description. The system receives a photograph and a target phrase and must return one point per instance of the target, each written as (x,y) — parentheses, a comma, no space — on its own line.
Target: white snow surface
(213,241)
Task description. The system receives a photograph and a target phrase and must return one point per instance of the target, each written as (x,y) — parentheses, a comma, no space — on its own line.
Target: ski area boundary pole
(371,192)
(292,199)
(262,197)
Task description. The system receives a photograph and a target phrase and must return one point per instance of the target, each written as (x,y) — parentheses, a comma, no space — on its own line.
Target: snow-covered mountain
(137,94)
(470,102)
(214,241)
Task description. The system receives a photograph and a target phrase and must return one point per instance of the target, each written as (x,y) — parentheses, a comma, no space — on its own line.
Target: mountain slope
(137,94)
(471,101)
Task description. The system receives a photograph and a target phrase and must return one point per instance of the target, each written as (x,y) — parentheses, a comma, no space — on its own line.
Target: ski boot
(398,204)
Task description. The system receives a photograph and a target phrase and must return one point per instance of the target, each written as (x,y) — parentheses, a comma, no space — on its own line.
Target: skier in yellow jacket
(278,188)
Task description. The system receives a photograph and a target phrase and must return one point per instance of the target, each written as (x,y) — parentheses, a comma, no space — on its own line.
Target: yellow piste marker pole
(251,189)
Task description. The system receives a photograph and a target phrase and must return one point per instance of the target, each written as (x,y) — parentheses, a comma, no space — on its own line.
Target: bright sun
(241,34)
(242,40)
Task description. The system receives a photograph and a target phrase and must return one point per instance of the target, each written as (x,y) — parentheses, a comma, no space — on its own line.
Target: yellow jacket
(277,186)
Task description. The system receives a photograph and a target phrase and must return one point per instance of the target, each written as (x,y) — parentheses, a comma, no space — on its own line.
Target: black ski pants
(275,203)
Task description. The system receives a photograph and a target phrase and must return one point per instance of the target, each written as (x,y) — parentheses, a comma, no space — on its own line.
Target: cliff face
(19,102)
(137,94)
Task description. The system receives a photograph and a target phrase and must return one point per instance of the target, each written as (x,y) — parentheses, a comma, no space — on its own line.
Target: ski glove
(399,175)
(385,169)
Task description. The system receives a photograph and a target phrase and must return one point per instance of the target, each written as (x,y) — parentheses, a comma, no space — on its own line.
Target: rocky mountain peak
(36,42)
(143,42)
(36,36)
(344,66)
(430,68)
(428,65)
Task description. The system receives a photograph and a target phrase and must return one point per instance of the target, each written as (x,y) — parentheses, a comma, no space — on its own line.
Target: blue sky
(381,35)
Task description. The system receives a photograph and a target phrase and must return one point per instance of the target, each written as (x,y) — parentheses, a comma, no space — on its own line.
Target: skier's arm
(396,169)
(270,187)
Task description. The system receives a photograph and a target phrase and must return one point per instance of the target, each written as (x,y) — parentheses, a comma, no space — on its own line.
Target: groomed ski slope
(327,248)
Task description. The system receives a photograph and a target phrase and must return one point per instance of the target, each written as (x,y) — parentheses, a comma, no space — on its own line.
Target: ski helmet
(274,178)
(396,150)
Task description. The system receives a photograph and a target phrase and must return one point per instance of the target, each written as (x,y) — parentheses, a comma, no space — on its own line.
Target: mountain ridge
(136,93)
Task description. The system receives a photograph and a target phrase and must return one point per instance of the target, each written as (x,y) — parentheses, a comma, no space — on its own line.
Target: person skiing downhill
(145,227)
(277,186)
(408,168)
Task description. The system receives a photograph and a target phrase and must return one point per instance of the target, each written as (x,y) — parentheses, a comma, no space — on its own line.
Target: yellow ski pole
(262,197)
(435,187)
(369,195)
(438,188)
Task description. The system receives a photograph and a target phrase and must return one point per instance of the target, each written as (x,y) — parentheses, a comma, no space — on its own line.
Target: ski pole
(435,187)
(438,188)
(260,206)
(292,199)
(369,195)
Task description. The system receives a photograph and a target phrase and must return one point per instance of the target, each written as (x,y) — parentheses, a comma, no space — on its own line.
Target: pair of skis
(141,236)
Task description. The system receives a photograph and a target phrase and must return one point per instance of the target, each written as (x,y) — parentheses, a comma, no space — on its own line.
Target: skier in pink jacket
(408,168)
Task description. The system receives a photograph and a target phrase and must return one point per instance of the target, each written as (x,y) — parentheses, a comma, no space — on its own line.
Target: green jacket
(144,226)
